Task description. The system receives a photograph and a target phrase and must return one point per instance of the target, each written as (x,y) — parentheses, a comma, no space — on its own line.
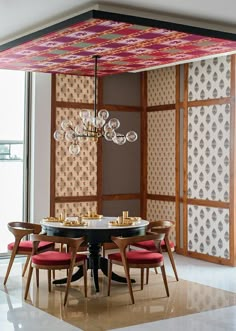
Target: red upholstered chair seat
(26,245)
(150,245)
(54,258)
(138,257)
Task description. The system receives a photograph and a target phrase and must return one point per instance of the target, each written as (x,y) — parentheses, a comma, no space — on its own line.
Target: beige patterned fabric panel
(161,153)
(161,86)
(75,208)
(70,88)
(161,210)
(208,231)
(209,79)
(75,175)
(209,152)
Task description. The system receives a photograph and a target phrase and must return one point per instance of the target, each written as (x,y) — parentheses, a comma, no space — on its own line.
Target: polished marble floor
(203,299)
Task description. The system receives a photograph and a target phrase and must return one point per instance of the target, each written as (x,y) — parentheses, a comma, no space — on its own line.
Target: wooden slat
(209,258)
(161,197)
(53,147)
(76,199)
(131,196)
(79,105)
(209,102)
(185,160)
(122,108)
(161,107)
(144,133)
(99,154)
(177,158)
(208,203)
(232,213)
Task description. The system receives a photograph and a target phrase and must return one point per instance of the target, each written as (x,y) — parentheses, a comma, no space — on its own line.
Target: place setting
(125,220)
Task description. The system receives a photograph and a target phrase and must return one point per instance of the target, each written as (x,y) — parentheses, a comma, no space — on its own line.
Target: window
(12,146)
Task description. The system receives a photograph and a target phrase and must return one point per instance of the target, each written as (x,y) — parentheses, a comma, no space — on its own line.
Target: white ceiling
(19,17)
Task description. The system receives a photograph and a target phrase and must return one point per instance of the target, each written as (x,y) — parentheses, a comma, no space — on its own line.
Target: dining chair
(142,259)
(57,260)
(20,246)
(166,245)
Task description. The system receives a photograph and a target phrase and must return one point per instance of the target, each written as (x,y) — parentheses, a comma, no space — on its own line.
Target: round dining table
(96,231)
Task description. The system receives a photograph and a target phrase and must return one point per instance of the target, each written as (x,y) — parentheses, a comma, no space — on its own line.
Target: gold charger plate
(73,223)
(95,216)
(52,219)
(116,223)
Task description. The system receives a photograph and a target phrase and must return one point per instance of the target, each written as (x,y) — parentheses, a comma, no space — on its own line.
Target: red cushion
(27,245)
(138,257)
(55,258)
(150,245)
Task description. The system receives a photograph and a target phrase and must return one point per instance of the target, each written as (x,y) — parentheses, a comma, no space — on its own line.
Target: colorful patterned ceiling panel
(123,45)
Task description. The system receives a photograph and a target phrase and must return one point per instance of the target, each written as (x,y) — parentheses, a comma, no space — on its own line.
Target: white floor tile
(17,315)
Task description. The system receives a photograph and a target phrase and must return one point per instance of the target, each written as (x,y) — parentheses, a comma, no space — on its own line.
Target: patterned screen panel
(161,210)
(208,231)
(75,208)
(209,79)
(161,86)
(74,88)
(209,152)
(75,176)
(161,153)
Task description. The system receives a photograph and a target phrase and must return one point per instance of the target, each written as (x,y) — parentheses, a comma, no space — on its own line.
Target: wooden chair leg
(163,271)
(13,254)
(37,277)
(128,281)
(142,276)
(147,275)
(49,281)
(171,258)
(109,277)
(70,271)
(85,278)
(26,265)
(28,282)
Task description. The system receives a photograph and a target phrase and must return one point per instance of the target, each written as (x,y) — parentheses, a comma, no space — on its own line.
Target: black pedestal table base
(95,262)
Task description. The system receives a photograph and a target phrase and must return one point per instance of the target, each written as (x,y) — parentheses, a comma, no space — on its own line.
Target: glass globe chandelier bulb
(70,135)
(66,125)
(79,129)
(119,139)
(74,149)
(59,135)
(106,127)
(98,122)
(84,114)
(114,123)
(89,121)
(109,135)
(103,113)
(131,136)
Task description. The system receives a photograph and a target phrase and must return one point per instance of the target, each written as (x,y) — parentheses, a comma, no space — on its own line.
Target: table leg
(94,262)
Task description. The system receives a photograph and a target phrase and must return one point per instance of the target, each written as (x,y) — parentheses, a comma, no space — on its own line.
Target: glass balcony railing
(11,150)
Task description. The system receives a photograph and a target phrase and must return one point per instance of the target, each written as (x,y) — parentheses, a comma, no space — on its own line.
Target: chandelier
(92,125)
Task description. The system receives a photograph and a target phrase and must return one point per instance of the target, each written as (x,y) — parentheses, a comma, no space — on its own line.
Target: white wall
(40,147)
